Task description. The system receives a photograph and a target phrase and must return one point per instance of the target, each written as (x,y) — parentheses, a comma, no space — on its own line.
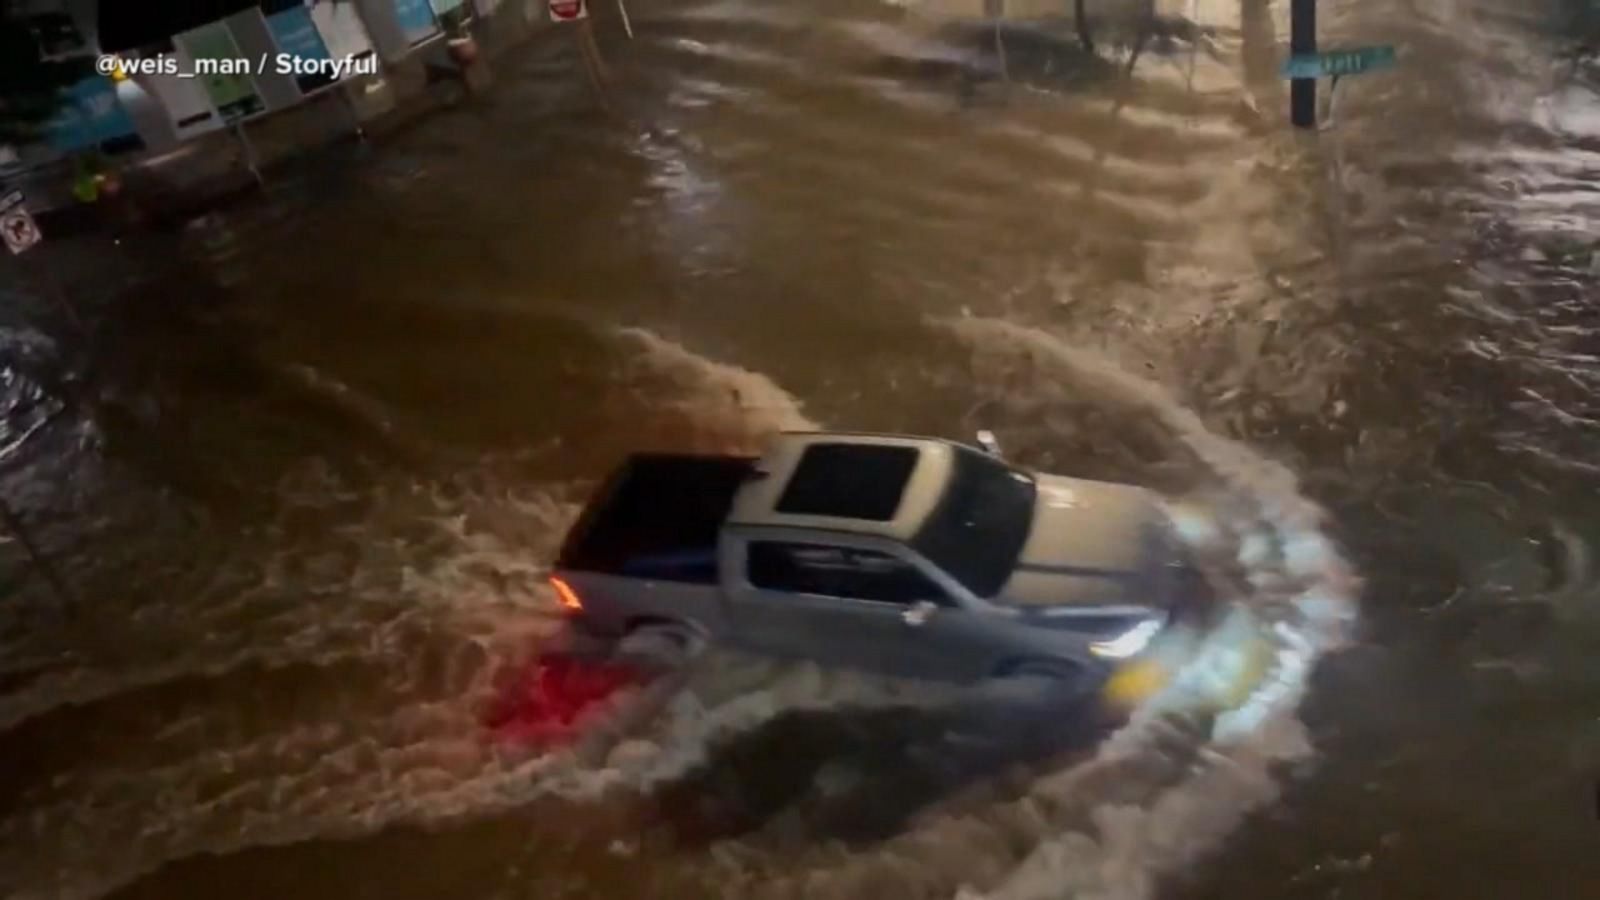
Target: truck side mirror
(988,442)
(919,613)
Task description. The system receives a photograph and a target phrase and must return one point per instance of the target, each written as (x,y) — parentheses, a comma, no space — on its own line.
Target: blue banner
(90,115)
(416,19)
(295,34)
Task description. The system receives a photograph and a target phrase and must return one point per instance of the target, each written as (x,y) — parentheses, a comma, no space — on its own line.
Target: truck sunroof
(849,481)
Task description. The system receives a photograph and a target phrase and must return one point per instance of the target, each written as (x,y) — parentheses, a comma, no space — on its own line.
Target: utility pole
(1303,42)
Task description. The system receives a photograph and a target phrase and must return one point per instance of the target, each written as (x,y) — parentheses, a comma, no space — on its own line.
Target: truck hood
(1091,544)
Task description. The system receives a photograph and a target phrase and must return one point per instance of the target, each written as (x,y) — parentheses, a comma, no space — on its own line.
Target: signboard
(295,33)
(1336,63)
(17,228)
(90,115)
(342,30)
(568,10)
(416,20)
(184,99)
(234,95)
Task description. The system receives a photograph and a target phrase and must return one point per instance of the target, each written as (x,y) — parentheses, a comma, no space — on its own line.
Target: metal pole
(1303,41)
(349,105)
(249,149)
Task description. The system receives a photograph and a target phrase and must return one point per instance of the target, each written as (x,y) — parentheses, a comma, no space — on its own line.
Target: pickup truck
(909,556)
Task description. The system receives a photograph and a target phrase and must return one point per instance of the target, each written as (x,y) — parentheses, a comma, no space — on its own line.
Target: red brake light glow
(565,593)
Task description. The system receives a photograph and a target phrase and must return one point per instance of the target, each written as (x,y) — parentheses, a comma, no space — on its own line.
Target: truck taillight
(565,593)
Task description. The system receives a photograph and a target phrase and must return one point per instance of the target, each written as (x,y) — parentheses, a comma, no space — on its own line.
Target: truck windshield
(977,530)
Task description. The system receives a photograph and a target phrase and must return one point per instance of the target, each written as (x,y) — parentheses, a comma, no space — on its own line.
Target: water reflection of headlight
(1129,642)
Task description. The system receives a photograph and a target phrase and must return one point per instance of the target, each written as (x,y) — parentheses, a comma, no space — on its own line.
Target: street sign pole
(1303,42)
(251,161)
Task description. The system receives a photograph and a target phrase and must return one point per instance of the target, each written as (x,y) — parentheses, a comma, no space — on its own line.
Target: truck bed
(658,517)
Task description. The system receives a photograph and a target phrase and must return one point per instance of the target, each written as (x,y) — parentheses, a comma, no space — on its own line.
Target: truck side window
(838,572)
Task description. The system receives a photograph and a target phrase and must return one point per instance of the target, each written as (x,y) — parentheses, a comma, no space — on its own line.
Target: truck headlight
(1129,642)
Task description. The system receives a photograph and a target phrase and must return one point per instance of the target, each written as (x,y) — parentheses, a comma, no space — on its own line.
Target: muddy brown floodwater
(307,494)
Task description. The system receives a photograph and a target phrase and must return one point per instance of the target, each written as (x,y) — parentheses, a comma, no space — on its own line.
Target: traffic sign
(17,227)
(1336,63)
(568,10)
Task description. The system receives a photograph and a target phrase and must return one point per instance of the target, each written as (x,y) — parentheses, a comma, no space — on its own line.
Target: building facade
(179,76)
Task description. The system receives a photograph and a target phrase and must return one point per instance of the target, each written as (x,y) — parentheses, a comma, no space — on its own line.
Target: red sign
(568,10)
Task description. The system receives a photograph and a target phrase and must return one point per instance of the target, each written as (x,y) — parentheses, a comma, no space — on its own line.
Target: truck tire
(1029,679)
(576,640)
(657,648)
(1023,694)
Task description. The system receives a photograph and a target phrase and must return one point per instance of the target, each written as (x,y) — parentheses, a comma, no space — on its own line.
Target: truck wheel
(657,648)
(578,641)
(1031,688)
(1031,703)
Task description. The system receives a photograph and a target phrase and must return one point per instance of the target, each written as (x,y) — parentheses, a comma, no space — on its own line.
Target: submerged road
(308,495)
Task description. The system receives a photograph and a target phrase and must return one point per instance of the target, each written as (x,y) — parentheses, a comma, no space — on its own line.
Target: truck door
(835,603)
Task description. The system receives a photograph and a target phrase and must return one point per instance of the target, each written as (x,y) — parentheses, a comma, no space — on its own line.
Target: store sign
(295,33)
(184,99)
(233,95)
(90,114)
(342,30)
(416,20)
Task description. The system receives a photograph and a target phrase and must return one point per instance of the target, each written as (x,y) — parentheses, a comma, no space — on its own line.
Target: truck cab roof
(871,484)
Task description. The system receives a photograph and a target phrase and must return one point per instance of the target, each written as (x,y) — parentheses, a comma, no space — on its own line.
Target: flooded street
(306,495)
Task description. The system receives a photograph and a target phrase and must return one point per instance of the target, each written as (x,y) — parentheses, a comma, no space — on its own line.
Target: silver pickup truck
(909,556)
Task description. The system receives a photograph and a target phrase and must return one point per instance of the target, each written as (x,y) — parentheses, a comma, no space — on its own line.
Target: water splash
(1190,765)
(408,596)
(725,407)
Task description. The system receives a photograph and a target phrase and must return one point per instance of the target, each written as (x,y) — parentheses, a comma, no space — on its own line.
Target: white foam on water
(737,405)
(1108,827)
(424,601)
(263,612)
(443,568)
(1314,604)
(736,410)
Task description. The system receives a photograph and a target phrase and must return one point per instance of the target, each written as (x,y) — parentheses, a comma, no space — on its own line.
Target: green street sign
(1335,63)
